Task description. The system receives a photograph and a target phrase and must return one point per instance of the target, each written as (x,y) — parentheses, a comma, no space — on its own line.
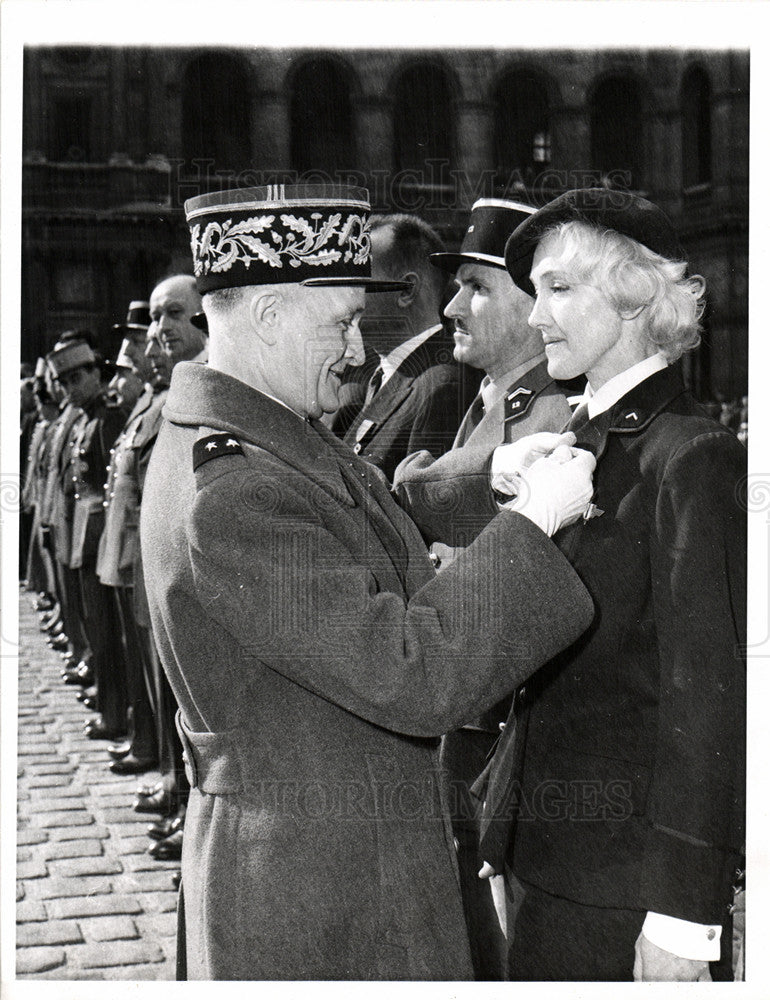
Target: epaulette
(214,446)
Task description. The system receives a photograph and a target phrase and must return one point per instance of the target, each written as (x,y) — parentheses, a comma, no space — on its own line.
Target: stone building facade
(116,138)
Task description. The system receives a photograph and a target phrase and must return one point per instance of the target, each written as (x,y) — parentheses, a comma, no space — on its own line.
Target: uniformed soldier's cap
(138,318)
(69,356)
(491,223)
(309,234)
(620,211)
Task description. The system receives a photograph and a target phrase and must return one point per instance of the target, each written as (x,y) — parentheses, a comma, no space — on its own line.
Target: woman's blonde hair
(633,278)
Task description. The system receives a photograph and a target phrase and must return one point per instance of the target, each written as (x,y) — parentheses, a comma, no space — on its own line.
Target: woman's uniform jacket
(623,785)
(316,660)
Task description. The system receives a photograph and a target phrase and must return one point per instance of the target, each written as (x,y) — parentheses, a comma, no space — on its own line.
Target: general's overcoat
(624,783)
(316,659)
(420,406)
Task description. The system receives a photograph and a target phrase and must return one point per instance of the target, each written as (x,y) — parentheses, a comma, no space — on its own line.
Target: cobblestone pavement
(90,902)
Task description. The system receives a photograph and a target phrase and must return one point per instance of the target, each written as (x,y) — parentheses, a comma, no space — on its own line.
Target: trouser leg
(463,755)
(103,631)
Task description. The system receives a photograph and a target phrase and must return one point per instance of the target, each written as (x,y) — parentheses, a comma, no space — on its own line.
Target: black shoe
(97,730)
(119,750)
(59,642)
(163,802)
(169,849)
(166,826)
(75,677)
(85,693)
(144,791)
(52,624)
(133,765)
(44,602)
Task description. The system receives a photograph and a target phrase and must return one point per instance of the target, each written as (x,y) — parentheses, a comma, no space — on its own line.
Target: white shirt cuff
(698,942)
(502,479)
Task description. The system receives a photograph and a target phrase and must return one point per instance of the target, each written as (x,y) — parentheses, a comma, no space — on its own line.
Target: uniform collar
(618,386)
(492,390)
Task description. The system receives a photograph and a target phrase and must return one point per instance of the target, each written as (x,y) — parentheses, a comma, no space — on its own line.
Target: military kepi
(69,356)
(309,234)
(621,211)
(491,223)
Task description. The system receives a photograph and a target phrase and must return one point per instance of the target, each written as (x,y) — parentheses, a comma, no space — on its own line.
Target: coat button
(501,726)
(711,934)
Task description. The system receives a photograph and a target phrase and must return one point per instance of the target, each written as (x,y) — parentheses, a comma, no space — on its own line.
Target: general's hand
(556,490)
(509,461)
(655,965)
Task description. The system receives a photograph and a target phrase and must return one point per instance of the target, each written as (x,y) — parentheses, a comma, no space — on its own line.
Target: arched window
(423,125)
(70,130)
(696,128)
(321,119)
(522,129)
(617,139)
(215,113)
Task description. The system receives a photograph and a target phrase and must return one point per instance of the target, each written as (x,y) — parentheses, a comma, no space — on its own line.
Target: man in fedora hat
(517,398)
(315,657)
(133,367)
(617,800)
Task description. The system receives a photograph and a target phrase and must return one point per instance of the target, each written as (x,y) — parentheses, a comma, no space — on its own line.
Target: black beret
(620,211)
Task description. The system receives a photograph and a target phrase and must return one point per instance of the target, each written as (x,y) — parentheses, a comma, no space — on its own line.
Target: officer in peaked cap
(517,398)
(315,656)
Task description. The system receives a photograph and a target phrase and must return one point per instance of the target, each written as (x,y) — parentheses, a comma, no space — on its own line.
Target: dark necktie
(578,419)
(374,385)
(472,419)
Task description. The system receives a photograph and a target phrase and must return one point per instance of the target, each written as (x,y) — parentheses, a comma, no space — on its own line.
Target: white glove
(509,461)
(556,490)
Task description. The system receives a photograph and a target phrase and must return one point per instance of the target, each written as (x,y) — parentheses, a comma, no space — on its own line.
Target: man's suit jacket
(316,659)
(624,783)
(449,496)
(420,406)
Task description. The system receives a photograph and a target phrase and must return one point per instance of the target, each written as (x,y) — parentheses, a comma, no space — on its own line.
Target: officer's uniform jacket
(59,492)
(419,407)
(623,785)
(31,493)
(449,496)
(119,543)
(316,659)
(84,465)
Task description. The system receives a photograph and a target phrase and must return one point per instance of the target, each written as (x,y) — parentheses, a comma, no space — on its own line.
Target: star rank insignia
(517,402)
(214,446)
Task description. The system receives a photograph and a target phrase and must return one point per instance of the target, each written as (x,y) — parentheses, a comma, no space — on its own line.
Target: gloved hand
(509,461)
(556,490)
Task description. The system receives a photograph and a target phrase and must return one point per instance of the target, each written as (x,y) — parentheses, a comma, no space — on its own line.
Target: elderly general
(618,803)
(315,656)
